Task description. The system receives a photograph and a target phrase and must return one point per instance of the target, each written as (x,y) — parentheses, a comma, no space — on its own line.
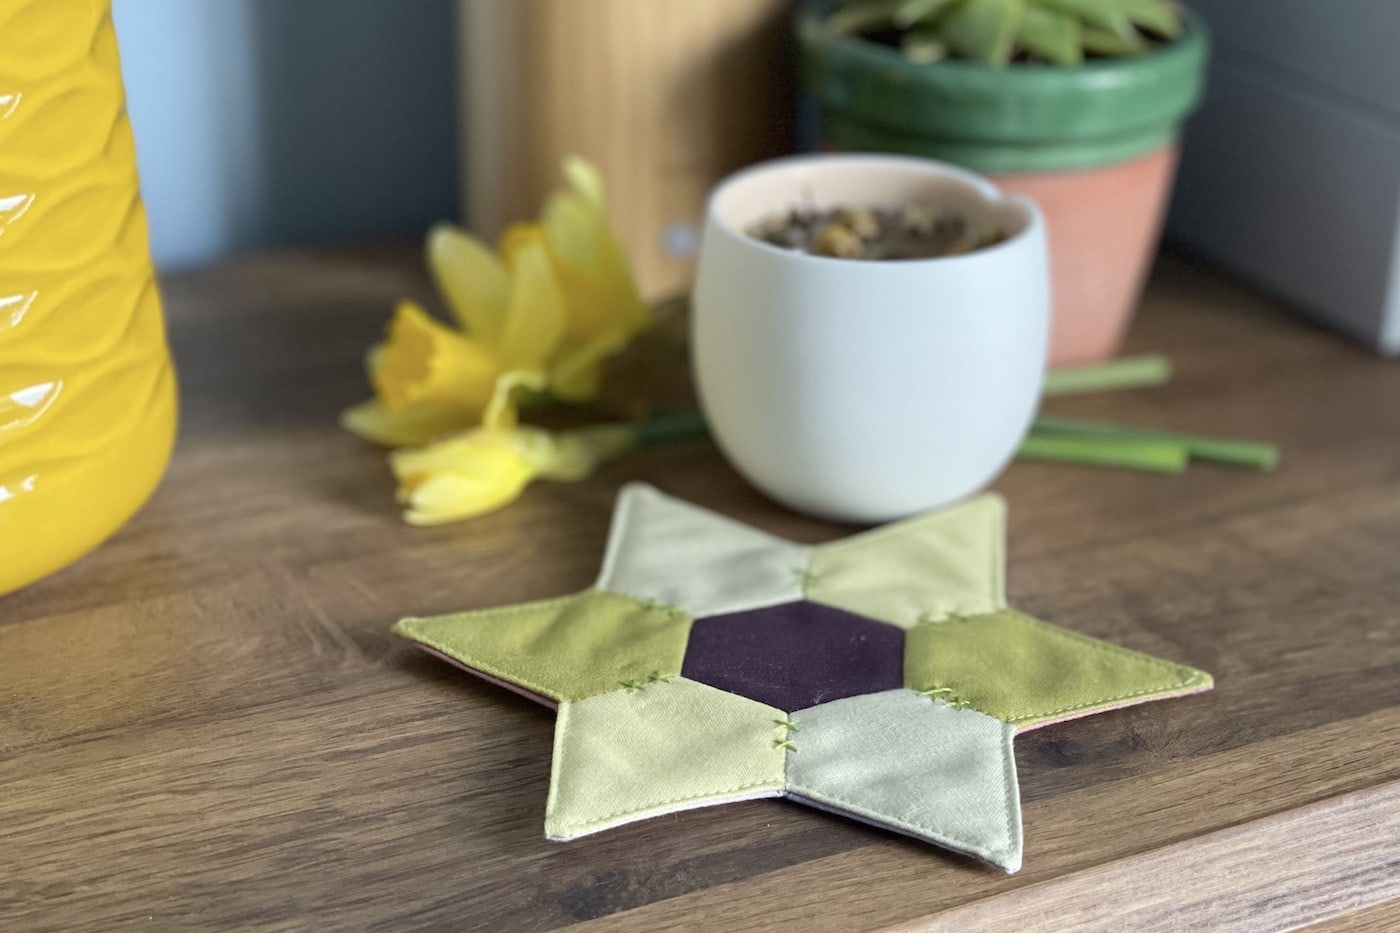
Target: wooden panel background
(665,96)
(206,723)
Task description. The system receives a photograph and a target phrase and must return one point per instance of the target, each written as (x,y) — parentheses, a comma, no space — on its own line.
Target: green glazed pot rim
(1043,79)
(1017,118)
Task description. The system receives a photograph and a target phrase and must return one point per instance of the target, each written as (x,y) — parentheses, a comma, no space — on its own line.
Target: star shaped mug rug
(881,677)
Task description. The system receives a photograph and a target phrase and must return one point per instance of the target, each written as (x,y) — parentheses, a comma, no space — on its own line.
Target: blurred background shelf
(666,97)
(264,122)
(1290,174)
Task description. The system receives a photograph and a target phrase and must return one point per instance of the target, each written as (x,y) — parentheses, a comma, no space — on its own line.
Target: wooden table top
(206,723)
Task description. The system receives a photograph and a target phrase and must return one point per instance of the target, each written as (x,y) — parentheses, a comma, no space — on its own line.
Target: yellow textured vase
(87,394)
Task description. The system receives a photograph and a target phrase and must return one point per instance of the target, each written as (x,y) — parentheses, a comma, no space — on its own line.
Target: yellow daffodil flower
(605,310)
(543,316)
(480,471)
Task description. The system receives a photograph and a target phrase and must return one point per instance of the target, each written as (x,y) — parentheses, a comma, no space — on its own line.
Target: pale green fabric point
(664,747)
(1027,672)
(929,567)
(664,549)
(564,649)
(915,765)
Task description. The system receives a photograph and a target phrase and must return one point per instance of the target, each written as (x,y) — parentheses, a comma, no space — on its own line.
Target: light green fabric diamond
(661,548)
(659,748)
(562,649)
(1027,672)
(943,563)
(915,765)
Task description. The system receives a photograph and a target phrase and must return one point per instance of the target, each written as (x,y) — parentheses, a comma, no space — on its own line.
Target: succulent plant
(1061,32)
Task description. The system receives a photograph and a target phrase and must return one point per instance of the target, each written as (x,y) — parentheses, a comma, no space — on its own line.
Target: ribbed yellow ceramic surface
(87,395)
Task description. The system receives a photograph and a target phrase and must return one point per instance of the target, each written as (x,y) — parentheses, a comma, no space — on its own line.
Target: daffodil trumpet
(481,470)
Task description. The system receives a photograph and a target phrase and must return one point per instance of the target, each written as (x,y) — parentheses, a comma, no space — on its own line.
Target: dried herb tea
(912,232)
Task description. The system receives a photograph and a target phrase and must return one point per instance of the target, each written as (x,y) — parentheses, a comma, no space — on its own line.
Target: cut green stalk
(1152,456)
(1130,372)
(1252,454)
(666,427)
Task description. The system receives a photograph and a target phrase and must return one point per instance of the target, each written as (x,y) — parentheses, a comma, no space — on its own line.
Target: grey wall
(272,122)
(1346,47)
(1290,174)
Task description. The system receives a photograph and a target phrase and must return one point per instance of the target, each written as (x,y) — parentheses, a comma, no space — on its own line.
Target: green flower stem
(668,427)
(1130,372)
(1152,456)
(1251,454)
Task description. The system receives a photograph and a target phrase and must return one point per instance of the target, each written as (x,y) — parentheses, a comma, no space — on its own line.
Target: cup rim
(984,187)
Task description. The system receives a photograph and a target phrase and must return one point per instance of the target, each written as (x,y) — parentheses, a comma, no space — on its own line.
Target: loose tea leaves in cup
(915,231)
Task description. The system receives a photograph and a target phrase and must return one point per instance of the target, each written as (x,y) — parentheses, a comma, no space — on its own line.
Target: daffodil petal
(471,279)
(519,237)
(453,497)
(501,412)
(480,470)
(535,321)
(585,178)
(427,362)
(473,451)
(592,268)
(410,427)
(460,477)
(577,375)
(571,456)
(373,357)
(575,228)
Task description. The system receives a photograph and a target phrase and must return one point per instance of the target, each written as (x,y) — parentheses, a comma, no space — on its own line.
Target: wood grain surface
(206,724)
(1379,918)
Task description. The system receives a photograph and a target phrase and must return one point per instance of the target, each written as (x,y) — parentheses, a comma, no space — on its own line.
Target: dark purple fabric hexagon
(795,655)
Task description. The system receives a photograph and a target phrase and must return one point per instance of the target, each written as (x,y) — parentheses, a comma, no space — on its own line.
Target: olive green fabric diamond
(1027,672)
(562,649)
(658,748)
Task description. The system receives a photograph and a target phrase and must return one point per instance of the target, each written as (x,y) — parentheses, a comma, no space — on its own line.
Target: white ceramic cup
(866,391)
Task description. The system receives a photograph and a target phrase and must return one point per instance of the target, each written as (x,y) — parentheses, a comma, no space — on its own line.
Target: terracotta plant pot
(1095,145)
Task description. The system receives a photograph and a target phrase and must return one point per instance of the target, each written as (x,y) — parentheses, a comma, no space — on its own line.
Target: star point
(560,649)
(926,770)
(1029,673)
(931,566)
(663,549)
(669,746)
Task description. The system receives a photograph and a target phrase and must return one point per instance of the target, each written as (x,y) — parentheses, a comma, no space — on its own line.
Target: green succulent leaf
(1156,16)
(1107,15)
(1061,32)
(864,15)
(1055,37)
(914,12)
(985,30)
(924,46)
(1103,42)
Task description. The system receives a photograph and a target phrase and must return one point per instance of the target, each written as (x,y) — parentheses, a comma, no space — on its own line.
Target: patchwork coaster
(881,677)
